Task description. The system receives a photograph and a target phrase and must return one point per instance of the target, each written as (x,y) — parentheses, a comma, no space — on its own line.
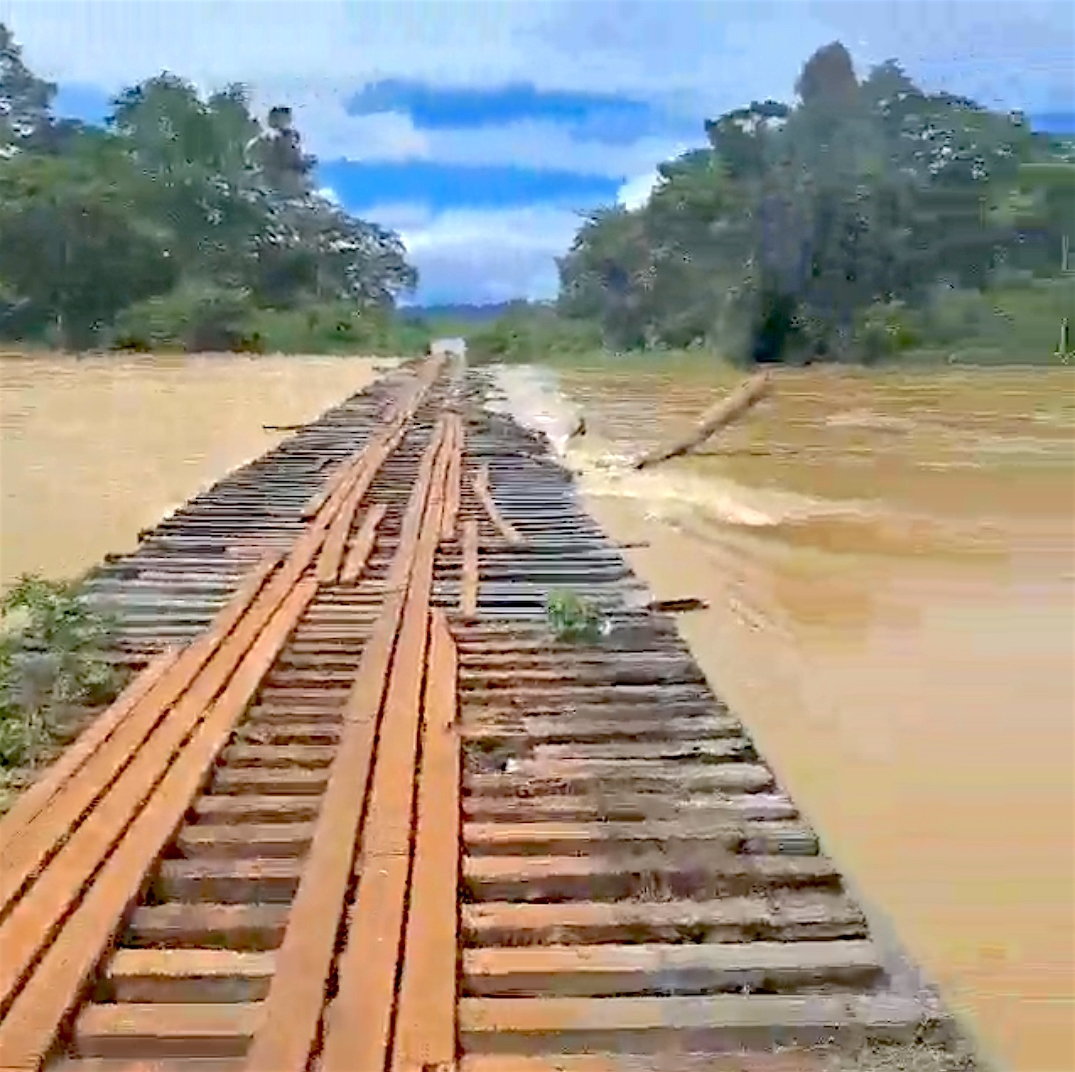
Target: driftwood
(718,416)
(677,606)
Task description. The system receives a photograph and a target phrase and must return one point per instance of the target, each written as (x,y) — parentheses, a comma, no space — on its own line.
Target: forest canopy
(866,217)
(183,221)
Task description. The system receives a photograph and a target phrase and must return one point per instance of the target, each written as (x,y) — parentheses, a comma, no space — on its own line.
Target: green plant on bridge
(572,617)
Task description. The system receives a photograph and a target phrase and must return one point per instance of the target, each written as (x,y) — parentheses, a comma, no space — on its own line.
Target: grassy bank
(53,669)
(1015,324)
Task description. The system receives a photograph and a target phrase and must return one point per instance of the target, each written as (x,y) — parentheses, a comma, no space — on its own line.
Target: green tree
(799,219)
(185,198)
(200,185)
(69,243)
(25,99)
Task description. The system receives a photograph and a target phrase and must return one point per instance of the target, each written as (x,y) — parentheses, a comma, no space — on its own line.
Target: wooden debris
(718,416)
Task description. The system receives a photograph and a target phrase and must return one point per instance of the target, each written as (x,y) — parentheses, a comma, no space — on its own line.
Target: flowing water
(889,560)
(889,564)
(93,450)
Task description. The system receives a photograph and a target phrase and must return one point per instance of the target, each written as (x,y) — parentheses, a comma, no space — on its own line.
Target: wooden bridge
(360,810)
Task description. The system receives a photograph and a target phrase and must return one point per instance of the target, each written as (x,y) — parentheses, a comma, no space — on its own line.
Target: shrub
(533,333)
(194,316)
(572,617)
(887,328)
(1012,323)
(337,327)
(52,646)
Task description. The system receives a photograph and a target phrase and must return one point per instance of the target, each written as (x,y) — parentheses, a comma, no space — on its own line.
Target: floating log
(718,416)
(677,606)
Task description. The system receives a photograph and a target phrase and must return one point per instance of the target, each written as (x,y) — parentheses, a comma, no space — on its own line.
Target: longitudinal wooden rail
(363,813)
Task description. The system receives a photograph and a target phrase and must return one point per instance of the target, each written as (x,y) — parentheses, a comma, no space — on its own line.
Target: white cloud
(635,192)
(333,134)
(694,52)
(539,144)
(693,58)
(481,255)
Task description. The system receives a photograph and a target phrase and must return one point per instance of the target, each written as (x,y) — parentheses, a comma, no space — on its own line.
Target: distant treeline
(183,222)
(867,220)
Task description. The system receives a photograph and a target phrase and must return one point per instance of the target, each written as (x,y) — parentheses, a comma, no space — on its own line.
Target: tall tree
(70,244)
(799,218)
(25,99)
(182,190)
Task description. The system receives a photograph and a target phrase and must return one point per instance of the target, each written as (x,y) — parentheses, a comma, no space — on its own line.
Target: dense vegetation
(869,218)
(52,662)
(183,222)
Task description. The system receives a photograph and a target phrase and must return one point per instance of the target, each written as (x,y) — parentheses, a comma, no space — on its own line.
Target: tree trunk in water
(718,416)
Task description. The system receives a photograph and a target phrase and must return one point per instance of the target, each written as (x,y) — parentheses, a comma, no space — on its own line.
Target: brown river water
(92,450)
(889,561)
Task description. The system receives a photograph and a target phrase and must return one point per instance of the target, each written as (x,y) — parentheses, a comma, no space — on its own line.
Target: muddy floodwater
(92,450)
(889,560)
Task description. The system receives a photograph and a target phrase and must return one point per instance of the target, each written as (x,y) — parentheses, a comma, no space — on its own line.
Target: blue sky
(481,129)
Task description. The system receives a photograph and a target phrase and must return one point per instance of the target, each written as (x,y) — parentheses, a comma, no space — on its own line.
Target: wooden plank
(351,494)
(626,806)
(535,878)
(648,698)
(653,1024)
(798,1061)
(278,781)
(493,706)
(28,926)
(358,1024)
(355,469)
(598,838)
(720,750)
(257,730)
(425,1031)
(485,495)
(780,916)
(214,926)
(401,409)
(36,797)
(637,671)
(26,848)
(468,597)
(245,839)
(60,977)
(222,881)
(358,1021)
(582,971)
(316,502)
(529,779)
(670,778)
(362,544)
(188,975)
(256,809)
(269,755)
(455,476)
(524,728)
(162,1031)
(328,563)
(296,997)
